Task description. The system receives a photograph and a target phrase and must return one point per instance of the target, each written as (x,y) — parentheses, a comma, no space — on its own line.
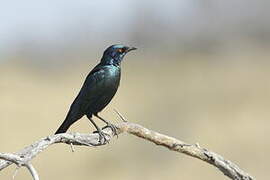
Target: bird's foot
(102,136)
(110,125)
(113,128)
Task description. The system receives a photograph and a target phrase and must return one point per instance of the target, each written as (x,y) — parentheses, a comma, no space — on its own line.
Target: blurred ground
(218,100)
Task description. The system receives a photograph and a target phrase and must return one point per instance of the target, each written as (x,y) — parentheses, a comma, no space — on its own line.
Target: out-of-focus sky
(38,27)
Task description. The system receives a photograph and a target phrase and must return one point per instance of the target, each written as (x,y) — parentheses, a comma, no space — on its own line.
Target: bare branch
(227,167)
(15,172)
(32,170)
(20,162)
(120,115)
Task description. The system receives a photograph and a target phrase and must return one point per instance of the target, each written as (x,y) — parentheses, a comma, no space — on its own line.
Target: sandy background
(223,106)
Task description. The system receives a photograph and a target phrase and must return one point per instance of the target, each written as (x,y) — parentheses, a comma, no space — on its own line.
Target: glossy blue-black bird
(98,89)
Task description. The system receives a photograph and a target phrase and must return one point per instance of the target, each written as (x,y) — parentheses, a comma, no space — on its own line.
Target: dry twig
(23,157)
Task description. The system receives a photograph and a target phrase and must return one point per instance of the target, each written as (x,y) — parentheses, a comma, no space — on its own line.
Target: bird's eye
(121,50)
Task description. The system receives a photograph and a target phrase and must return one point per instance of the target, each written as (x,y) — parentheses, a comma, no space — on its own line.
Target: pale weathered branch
(227,167)
(20,162)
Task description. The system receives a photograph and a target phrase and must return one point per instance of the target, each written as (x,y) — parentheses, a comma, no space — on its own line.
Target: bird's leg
(110,125)
(99,131)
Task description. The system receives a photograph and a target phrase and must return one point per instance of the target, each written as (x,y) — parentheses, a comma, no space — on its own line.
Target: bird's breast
(112,76)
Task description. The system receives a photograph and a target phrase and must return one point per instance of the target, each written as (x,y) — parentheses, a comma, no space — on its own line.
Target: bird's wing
(90,91)
(87,93)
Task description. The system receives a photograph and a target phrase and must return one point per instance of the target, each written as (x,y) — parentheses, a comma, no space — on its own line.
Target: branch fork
(23,157)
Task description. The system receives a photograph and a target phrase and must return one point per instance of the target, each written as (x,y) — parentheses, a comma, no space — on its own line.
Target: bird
(98,89)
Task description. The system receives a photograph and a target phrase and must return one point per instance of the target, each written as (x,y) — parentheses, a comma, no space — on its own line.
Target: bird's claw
(113,128)
(102,137)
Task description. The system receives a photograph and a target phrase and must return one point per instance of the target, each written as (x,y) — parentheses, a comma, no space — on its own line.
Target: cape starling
(98,89)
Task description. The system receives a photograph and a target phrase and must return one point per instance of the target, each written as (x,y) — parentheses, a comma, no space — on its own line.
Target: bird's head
(115,54)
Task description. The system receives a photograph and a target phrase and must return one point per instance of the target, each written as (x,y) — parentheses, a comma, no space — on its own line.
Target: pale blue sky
(55,23)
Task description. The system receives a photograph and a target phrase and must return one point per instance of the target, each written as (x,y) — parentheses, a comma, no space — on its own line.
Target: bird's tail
(64,127)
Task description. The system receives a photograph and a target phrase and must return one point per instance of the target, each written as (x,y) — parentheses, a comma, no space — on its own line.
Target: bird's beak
(131,49)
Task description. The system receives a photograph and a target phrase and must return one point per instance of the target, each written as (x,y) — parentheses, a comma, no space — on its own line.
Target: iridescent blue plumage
(98,89)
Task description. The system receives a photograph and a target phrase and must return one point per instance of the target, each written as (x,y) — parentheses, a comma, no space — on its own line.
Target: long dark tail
(64,126)
(70,119)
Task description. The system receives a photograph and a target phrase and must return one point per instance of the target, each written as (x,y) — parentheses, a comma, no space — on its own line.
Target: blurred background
(200,74)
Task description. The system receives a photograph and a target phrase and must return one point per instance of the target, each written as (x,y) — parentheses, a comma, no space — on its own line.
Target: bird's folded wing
(91,89)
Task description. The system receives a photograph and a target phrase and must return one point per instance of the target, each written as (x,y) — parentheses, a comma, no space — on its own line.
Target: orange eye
(121,50)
